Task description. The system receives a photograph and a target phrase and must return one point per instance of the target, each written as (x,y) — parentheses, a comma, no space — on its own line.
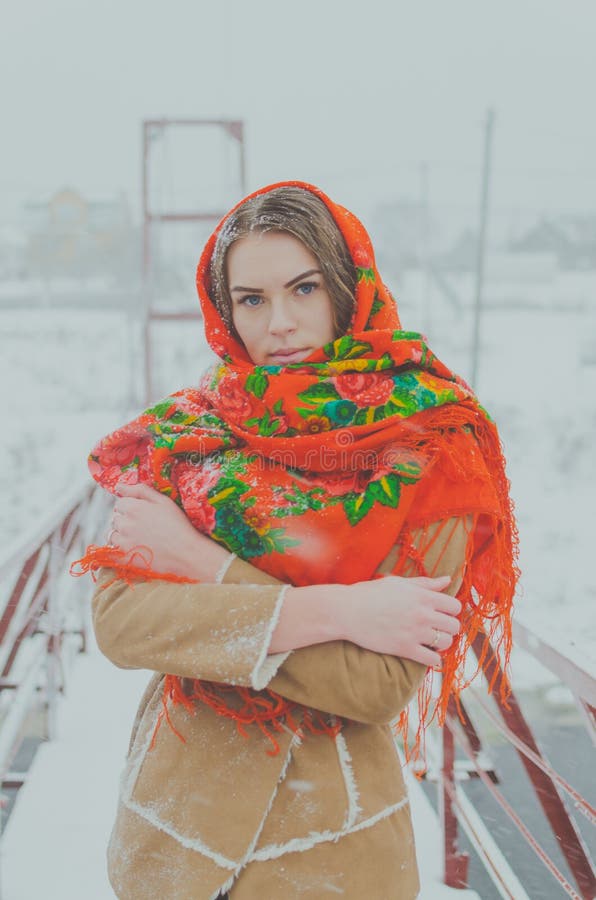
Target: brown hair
(303,215)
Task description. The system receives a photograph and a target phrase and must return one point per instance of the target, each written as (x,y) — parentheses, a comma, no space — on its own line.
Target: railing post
(52,627)
(455,863)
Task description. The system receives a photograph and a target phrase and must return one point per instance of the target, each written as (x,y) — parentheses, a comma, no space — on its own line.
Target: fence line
(43,618)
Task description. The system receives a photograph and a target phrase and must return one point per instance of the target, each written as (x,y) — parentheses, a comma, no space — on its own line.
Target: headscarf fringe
(485,598)
(128,565)
(265,709)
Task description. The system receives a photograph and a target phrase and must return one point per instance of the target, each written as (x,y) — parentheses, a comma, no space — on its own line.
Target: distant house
(571,239)
(70,235)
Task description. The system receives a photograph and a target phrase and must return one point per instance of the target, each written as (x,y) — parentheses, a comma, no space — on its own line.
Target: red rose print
(119,449)
(232,401)
(110,476)
(364,388)
(194,486)
(336,484)
(361,257)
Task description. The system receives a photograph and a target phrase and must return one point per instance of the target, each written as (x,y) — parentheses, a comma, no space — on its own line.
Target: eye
(306,288)
(251,300)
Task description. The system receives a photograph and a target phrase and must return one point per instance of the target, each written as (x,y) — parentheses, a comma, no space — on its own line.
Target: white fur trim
(267,664)
(345,762)
(296,741)
(129,780)
(274,851)
(221,572)
(195,844)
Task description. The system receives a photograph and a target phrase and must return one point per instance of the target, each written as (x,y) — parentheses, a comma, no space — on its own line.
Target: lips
(289,355)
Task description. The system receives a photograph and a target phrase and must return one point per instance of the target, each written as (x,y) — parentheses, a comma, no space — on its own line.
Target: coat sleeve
(342,678)
(221,632)
(216,632)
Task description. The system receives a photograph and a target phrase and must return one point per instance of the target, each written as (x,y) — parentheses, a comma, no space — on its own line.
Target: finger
(126,506)
(426,656)
(434,583)
(445,641)
(447,604)
(448,624)
(139,491)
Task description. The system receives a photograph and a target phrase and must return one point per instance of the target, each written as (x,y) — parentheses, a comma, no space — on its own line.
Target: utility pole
(481,248)
(424,231)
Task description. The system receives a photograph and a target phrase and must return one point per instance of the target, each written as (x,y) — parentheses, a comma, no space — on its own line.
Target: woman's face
(281,307)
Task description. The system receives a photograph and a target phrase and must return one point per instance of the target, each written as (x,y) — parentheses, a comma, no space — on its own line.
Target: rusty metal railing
(553,792)
(43,618)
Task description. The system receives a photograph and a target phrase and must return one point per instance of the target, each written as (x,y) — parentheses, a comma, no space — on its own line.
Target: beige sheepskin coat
(323,818)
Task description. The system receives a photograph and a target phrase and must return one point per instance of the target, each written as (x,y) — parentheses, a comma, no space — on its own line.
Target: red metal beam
(162,123)
(36,607)
(455,862)
(563,826)
(185,217)
(233,127)
(570,671)
(188,314)
(21,584)
(453,724)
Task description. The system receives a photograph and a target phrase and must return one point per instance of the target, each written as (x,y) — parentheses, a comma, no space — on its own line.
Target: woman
(327,449)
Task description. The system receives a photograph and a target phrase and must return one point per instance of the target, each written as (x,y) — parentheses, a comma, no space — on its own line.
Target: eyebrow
(289,284)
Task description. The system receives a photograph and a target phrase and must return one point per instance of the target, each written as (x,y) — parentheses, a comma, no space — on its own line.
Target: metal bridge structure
(161,212)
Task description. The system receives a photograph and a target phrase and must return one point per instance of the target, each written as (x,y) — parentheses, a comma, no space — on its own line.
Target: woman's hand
(409,617)
(143,517)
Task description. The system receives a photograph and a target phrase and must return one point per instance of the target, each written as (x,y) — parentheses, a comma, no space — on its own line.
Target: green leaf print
(318,393)
(400,335)
(300,501)
(357,506)
(257,383)
(160,409)
(386,490)
(377,305)
(347,347)
(181,418)
(365,274)
(274,541)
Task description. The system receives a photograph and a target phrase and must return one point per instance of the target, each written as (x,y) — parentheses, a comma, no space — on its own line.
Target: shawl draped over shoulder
(313,471)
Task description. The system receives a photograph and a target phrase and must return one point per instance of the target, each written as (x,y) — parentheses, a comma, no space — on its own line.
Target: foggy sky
(350,96)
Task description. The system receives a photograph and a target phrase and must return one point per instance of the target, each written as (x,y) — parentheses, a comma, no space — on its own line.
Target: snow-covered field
(66,379)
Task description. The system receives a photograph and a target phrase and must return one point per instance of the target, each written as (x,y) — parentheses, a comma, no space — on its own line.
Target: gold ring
(436,640)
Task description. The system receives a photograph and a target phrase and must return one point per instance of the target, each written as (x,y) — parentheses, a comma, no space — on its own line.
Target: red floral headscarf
(314,471)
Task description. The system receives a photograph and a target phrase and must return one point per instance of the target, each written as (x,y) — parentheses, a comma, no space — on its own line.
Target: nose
(282,319)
